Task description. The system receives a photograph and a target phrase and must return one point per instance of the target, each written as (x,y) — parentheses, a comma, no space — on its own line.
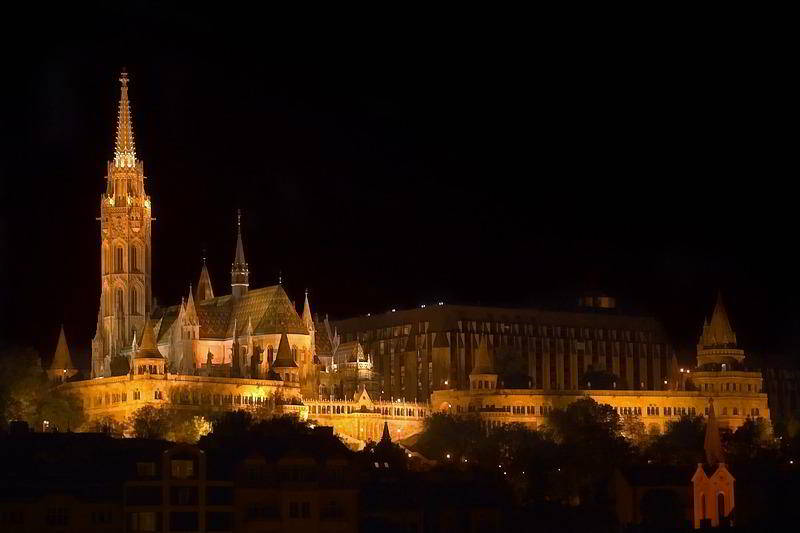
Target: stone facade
(719,375)
(251,346)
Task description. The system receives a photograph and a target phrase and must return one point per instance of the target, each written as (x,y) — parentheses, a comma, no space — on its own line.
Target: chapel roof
(268,308)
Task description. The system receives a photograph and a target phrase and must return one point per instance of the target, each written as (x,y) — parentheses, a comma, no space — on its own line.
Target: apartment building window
(143,521)
(299,509)
(182,468)
(57,516)
(146,469)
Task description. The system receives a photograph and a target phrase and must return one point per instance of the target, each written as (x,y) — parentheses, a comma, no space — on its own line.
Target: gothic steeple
(711,443)
(240,274)
(204,290)
(62,368)
(124,150)
(125,244)
(308,320)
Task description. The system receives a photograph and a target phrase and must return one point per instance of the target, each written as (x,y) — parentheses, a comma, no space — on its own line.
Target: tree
(590,447)
(26,394)
(634,430)
(150,422)
(681,443)
(109,426)
(751,441)
(447,434)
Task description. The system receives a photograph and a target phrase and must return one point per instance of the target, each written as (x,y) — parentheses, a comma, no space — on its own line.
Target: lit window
(182,468)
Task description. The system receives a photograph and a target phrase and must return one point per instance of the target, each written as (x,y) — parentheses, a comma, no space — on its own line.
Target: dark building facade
(431,348)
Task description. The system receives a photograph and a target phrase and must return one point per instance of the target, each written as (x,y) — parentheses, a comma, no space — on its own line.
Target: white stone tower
(125,259)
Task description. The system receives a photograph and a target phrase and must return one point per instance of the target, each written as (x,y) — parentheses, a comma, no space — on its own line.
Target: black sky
(471,158)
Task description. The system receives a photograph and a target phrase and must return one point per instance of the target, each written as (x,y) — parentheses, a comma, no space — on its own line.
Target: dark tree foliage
(26,394)
(681,443)
(590,448)
(752,441)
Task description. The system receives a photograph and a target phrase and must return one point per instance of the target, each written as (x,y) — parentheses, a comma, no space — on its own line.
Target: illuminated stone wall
(655,408)
(120,396)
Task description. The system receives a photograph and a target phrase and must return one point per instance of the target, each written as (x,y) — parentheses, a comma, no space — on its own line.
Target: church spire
(61,368)
(240,274)
(204,290)
(124,149)
(308,320)
(711,443)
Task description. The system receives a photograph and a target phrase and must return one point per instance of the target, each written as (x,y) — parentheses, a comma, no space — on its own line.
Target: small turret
(717,342)
(284,364)
(61,369)
(483,375)
(147,359)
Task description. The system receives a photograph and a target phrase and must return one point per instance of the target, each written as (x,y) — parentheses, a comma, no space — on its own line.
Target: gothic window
(134,262)
(120,302)
(107,259)
(134,307)
(118,260)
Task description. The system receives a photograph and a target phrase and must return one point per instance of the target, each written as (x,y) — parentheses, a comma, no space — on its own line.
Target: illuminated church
(252,349)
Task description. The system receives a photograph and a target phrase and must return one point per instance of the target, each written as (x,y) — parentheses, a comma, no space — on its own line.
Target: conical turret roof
(204,289)
(386,437)
(147,347)
(284,358)
(61,358)
(483,363)
(718,332)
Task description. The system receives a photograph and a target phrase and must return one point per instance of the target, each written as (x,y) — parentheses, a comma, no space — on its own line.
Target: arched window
(134,307)
(120,302)
(118,260)
(720,505)
(270,353)
(107,259)
(134,262)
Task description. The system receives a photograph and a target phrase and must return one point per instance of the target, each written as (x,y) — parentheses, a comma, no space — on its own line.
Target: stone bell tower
(125,246)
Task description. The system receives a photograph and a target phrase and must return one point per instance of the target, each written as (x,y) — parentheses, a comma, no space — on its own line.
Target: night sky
(465,158)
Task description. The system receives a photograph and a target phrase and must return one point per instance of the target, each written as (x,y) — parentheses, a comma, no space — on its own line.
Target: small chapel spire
(61,368)
(308,320)
(240,274)
(204,289)
(711,443)
(124,149)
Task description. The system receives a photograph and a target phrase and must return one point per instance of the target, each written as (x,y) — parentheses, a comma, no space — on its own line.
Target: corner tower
(125,247)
